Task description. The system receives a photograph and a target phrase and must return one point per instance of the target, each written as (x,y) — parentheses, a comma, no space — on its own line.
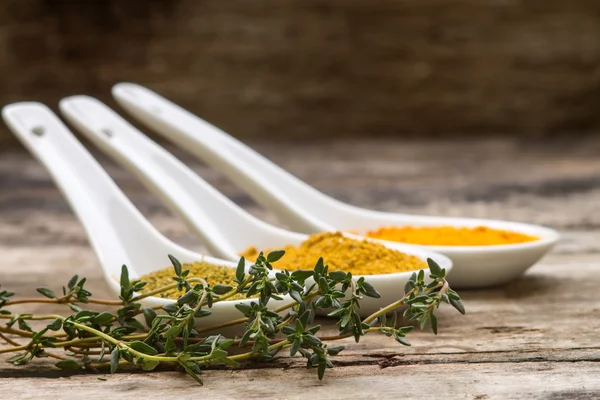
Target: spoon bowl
(221,225)
(116,229)
(475,266)
(307,210)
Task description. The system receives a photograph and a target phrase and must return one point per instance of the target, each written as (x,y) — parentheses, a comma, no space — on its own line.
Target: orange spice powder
(341,253)
(450,236)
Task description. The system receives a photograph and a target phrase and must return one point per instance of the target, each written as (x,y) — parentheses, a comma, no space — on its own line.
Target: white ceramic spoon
(306,209)
(225,227)
(116,229)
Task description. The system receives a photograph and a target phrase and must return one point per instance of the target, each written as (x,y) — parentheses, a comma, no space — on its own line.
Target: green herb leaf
(115,355)
(299,328)
(408,286)
(294,347)
(221,289)
(55,325)
(323,286)
(192,373)
(102,318)
(301,275)
(244,308)
(453,295)
(296,296)
(170,308)
(20,359)
(68,365)
(370,290)
(72,282)
(321,370)
(124,277)
(39,334)
(202,313)
(176,265)
(240,270)
(319,267)
(394,320)
(458,305)
(84,314)
(143,348)
(173,331)
(337,276)
(434,267)
(187,298)
(74,307)
(275,255)
(149,316)
(229,362)
(424,321)
(336,312)
(334,351)
(47,292)
(401,340)
(23,325)
(288,330)
(149,365)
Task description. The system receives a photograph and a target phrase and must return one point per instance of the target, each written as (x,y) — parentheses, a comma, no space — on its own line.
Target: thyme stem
(173,337)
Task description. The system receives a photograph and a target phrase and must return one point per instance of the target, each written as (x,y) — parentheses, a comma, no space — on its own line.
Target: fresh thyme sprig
(110,340)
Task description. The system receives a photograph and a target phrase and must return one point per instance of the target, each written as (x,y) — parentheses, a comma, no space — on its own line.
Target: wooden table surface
(534,338)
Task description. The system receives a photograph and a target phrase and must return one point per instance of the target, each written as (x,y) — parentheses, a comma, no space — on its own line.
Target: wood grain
(317,68)
(535,338)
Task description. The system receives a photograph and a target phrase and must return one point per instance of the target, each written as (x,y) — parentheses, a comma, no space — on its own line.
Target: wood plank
(534,338)
(536,380)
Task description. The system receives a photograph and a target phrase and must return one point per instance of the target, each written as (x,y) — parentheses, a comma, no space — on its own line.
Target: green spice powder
(211,273)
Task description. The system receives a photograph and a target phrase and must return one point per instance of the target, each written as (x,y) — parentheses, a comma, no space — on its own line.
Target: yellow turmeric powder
(343,254)
(450,236)
(211,273)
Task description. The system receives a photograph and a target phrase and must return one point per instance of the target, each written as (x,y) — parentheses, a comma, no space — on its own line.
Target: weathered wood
(534,338)
(319,67)
(537,380)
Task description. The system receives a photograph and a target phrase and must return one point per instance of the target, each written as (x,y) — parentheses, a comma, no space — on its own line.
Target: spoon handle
(296,203)
(117,231)
(225,228)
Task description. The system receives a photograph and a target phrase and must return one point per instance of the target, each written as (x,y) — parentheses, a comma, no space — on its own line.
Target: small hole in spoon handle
(38,130)
(108,132)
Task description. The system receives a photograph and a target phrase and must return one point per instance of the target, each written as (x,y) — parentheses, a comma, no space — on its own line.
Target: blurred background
(315,68)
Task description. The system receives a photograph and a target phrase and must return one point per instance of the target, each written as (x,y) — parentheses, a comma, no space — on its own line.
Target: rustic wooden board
(534,338)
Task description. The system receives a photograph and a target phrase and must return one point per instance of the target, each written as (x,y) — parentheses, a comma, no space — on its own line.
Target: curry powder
(211,273)
(341,253)
(450,236)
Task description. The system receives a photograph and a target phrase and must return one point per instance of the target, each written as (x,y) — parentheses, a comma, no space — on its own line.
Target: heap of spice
(450,236)
(360,257)
(211,273)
